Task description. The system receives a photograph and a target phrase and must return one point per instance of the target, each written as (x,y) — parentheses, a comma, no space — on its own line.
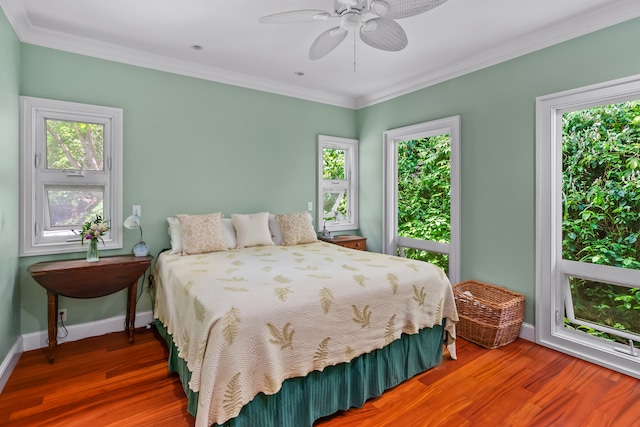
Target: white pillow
(252,229)
(175,234)
(275,229)
(229,233)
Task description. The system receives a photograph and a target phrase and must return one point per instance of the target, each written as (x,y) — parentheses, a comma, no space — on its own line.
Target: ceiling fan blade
(404,8)
(295,17)
(384,33)
(326,42)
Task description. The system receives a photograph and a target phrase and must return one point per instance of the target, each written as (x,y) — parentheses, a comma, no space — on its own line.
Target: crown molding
(553,34)
(29,34)
(556,33)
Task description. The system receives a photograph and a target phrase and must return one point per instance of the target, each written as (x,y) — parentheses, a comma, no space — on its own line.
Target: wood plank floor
(104,381)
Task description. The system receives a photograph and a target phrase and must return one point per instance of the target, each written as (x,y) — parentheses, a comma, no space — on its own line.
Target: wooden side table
(82,279)
(353,242)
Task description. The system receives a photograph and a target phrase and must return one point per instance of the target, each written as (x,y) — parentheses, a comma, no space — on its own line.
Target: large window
(421,192)
(588,223)
(71,172)
(337,183)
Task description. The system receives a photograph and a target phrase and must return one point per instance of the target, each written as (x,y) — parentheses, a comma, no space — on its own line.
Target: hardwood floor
(104,381)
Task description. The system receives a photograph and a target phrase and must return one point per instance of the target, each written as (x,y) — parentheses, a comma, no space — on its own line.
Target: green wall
(9,178)
(497,109)
(190,146)
(195,146)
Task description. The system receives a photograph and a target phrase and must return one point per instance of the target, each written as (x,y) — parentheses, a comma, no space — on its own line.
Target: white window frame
(552,272)
(350,183)
(33,179)
(391,242)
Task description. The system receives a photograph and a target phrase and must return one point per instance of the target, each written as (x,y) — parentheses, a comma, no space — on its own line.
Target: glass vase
(92,251)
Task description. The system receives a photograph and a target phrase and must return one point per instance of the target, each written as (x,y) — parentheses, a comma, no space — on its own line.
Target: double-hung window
(71,172)
(337,183)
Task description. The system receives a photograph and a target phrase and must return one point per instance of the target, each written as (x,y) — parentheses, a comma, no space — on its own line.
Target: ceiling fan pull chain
(354,51)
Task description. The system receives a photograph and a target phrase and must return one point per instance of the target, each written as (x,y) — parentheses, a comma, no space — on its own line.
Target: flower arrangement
(94,230)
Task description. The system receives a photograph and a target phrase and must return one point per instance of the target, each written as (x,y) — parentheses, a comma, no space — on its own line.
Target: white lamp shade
(132,222)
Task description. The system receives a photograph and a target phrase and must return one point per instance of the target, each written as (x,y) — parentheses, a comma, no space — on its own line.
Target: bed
(283,334)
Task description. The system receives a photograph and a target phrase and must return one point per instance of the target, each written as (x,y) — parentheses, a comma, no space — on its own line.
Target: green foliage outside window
(601,207)
(333,167)
(424,194)
(74,146)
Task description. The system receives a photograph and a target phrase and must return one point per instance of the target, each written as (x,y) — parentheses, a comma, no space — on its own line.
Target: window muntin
(71,159)
(337,183)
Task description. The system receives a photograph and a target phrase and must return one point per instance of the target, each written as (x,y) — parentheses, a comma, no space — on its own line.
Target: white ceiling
(455,38)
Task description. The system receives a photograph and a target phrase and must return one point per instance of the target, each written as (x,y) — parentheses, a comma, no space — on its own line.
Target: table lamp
(133,222)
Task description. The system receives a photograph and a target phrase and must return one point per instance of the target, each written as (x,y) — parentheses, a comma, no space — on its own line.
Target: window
(587,222)
(71,171)
(421,193)
(337,183)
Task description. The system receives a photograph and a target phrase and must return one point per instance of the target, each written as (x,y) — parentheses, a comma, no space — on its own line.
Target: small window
(337,183)
(71,159)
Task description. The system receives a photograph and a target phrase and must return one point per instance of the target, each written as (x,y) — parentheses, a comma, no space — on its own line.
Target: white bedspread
(246,320)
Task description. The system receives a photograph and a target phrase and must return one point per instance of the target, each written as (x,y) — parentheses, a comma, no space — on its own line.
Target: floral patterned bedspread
(247,319)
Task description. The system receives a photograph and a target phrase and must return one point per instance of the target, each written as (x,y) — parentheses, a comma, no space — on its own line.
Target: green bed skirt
(301,401)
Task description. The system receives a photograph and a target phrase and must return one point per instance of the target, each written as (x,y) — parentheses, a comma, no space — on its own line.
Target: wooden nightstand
(353,242)
(82,279)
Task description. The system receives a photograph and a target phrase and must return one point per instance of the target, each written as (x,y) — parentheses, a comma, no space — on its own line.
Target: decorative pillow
(175,234)
(202,233)
(296,228)
(252,229)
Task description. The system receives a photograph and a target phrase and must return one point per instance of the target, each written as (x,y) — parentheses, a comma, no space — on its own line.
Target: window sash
(349,185)
(599,273)
(391,242)
(553,272)
(37,235)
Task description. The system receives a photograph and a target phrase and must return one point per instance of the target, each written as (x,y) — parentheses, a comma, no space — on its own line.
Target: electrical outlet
(309,206)
(62,315)
(137,210)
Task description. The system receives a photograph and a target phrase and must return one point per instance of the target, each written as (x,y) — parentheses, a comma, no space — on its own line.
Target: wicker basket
(490,316)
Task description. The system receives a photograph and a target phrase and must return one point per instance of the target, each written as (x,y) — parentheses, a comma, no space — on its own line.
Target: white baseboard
(35,340)
(77,332)
(10,362)
(528,332)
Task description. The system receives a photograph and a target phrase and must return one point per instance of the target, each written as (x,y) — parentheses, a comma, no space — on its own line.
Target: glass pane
(335,202)
(601,185)
(74,145)
(441,260)
(424,188)
(605,304)
(72,207)
(333,163)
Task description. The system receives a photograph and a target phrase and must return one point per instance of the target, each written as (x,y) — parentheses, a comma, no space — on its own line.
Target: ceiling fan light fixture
(380,8)
(350,21)
(369,26)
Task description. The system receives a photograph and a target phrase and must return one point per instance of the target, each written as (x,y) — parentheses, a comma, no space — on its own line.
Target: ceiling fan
(373,19)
